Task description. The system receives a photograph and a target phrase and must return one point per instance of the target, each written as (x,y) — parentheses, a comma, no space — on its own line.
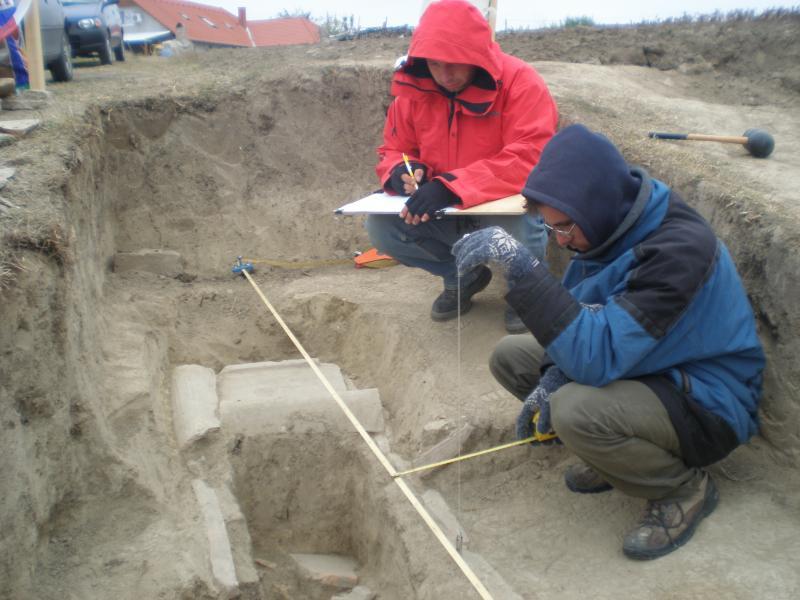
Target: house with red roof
(282,32)
(153,21)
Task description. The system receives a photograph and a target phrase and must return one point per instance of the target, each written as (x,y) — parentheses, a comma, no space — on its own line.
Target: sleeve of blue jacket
(593,345)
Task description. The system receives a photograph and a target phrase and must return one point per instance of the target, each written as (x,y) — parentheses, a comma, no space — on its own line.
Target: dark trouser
(621,430)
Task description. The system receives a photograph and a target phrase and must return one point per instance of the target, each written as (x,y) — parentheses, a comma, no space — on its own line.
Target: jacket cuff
(544,305)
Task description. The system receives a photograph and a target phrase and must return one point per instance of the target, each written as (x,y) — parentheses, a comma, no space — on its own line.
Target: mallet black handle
(667,136)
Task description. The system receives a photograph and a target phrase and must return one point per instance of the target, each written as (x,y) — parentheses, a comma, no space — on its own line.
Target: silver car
(55,43)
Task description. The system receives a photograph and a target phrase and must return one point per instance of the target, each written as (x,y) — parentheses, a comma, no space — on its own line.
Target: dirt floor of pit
(70,455)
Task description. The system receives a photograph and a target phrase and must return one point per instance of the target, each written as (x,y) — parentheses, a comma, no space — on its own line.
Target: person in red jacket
(473,121)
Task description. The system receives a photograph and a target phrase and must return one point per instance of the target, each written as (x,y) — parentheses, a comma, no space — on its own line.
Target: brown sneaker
(583,479)
(667,525)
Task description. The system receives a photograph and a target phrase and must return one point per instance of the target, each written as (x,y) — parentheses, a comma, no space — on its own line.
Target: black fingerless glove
(430,198)
(396,180)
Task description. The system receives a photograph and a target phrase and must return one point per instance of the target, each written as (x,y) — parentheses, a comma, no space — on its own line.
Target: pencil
(410,170)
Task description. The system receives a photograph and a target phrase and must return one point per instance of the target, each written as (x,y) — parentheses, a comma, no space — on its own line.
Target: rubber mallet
(756,141)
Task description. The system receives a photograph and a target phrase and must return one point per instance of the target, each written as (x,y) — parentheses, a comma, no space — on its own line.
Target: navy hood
(583,175)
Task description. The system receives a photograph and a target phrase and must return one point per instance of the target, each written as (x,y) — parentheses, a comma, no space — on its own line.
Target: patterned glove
(494,245)
(396,180)
(429,198)
(539,400)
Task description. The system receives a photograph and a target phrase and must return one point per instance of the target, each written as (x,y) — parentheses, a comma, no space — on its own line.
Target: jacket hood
(455,31)
(583,175)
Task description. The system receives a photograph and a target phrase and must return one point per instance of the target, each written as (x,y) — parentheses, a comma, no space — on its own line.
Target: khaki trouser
(621,430)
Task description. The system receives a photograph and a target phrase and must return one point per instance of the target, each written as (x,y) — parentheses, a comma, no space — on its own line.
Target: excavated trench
(160,204)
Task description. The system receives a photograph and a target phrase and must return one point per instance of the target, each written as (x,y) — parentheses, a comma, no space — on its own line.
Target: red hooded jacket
(483,142)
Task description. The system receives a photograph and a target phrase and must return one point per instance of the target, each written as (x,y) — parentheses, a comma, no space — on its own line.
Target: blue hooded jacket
(657,298)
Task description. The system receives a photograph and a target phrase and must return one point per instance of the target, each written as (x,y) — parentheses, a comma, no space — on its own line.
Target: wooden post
(492,16)
(33,47)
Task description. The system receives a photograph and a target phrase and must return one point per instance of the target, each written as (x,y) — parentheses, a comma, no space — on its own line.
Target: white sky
(510,13)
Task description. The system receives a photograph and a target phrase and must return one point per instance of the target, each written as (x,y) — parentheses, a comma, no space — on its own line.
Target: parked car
(95,26)
(55,43)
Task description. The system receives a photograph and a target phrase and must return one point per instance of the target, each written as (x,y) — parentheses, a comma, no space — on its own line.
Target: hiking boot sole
(574,486)
(709,504)
(598,489)
(466,305)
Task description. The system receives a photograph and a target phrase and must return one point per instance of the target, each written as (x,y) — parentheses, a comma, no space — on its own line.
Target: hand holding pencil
(413,177)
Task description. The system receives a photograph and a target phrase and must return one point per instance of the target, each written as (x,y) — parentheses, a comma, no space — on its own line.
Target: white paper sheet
(382,203)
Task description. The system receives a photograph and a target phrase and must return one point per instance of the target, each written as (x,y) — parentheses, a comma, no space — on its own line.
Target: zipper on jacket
(452,113)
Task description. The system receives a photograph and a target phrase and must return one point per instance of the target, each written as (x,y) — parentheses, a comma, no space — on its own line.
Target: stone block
(446,449)
(194,403)
(6,173)
(439,509)
(19,127)
(493,581)
(359,592)
(367,408)
(283,397)
(241,543)
(219,546)
(330,570)
(435,431)
(161,262)
(281,379)
(7,86)
(28,100)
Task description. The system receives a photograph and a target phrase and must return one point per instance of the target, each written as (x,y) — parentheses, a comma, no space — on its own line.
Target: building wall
(135,20)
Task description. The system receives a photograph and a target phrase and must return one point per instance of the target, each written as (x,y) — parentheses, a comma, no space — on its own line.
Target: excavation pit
(159,197)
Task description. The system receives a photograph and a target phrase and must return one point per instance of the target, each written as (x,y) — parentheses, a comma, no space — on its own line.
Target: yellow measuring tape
(536,438)
(306,264)
(456,459)
(426,517)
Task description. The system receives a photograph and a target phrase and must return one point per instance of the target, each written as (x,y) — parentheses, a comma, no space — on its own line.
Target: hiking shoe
(667,525)
(513,323)
(445,307)
(583,479)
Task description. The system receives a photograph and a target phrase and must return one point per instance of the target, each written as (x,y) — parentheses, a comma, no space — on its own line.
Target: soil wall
(86,456)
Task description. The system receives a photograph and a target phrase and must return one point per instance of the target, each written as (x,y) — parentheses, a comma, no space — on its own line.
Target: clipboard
(381,203)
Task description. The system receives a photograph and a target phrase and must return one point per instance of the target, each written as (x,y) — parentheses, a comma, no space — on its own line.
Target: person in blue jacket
(644,360)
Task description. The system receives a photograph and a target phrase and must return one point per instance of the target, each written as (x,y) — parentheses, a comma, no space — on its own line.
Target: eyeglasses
(567,233)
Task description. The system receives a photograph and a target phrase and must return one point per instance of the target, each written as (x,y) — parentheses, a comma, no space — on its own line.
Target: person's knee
(503,357)
(376,228)
(383,232)
(573,411)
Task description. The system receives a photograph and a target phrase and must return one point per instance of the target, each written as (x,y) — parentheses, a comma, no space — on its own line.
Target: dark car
(55,43)
(95,27)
